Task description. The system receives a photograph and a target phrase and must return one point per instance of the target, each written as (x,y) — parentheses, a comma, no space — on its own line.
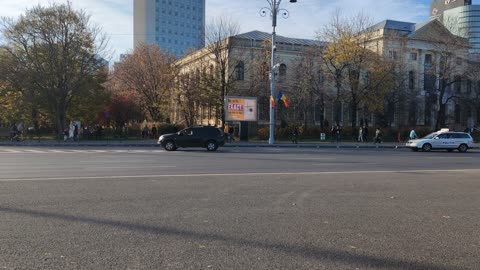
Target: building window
(411,80)
(367,77)
(428,59)
(458,86)
(392,54)
(458,114)
(321,78)
(469,87)
(413,56)
(240,71)
(459,61)
(282,71)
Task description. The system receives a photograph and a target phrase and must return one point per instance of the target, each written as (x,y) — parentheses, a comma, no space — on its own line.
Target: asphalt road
(245,208)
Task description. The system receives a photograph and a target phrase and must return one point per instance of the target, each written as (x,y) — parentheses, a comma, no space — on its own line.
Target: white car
(443,139)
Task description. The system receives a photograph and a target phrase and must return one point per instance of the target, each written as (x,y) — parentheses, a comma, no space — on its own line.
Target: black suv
(207,137)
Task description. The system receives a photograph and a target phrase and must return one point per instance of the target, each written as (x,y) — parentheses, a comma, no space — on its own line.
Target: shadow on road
(311,252)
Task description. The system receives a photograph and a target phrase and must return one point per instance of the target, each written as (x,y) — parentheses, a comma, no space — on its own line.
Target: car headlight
(161,138)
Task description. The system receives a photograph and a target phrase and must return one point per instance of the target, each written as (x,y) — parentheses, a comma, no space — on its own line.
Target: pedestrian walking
(295,136)
(75,133)
(145,132)
(66,131)
(333,133)
(230,133)
(365,134)
(154,132)
(15,133)
(338,133)
(378,136)
(413,134)
(360,135)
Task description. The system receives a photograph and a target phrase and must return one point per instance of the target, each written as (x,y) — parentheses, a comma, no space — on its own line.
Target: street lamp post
(274,10)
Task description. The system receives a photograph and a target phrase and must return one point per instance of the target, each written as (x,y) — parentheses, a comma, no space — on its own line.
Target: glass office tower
(465,22)
(175,25)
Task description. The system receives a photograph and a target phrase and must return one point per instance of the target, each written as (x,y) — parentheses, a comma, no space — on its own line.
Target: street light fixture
(274,10)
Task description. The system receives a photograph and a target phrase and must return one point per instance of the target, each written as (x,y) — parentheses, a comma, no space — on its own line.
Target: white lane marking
(130,168)
(35,151)
(60,151)
(236,174)
(449,157)
(10,151)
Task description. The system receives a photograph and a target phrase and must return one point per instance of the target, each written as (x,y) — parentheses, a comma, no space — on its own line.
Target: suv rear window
(209,131)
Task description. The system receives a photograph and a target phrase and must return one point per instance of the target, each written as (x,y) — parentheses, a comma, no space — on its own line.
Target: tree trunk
(222,102)
(441,115)
(60,119)
(36,125)
(412,117)
(354,108)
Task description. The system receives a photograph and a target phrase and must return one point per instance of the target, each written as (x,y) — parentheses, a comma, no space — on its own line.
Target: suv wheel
(212,146)
(463,148)
(427,147)
(170,146)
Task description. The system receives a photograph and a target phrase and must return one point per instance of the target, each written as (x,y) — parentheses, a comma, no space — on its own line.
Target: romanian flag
(272,100)
(282,97)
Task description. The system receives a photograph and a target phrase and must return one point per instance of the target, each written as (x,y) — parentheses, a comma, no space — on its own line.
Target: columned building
(177,26)
(419,50)
(425,52)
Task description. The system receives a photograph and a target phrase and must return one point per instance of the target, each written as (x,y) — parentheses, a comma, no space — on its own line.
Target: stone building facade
(420,49)
(416,48)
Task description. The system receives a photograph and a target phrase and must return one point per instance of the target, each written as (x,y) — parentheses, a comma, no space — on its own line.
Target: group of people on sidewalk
(363,135)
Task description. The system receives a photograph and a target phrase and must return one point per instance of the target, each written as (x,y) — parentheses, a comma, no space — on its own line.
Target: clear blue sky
(306,16)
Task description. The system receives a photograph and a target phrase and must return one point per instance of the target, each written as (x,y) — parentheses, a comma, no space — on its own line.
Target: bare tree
(358,73)
(55,57)
(218,37)
(308,85)
(150,73)
(445,71)
(190,96)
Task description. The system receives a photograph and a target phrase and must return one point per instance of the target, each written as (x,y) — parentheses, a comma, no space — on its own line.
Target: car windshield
(430,136)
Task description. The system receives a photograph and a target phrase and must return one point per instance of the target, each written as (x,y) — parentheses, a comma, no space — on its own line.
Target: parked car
(443,139)
(206,137)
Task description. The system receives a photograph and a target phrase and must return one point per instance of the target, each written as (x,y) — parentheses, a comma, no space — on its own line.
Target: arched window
(240,71)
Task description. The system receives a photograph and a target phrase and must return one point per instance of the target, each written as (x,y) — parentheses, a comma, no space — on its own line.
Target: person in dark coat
(333,133)
(154,131)
(295,136)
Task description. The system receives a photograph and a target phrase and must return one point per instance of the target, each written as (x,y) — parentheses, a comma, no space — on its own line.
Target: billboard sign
(241,109)
(439,6)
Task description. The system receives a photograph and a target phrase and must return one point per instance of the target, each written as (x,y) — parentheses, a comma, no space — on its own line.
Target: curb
(244,145)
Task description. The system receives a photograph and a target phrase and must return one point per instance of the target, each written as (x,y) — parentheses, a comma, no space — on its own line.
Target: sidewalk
(153,143)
